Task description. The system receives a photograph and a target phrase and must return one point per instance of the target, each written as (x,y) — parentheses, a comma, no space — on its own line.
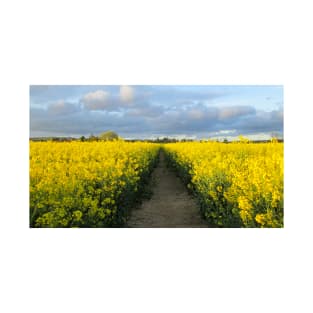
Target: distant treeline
(157,140)
(111,135)
(96,138)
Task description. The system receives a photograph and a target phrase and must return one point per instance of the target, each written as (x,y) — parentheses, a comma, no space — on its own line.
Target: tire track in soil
(170,204)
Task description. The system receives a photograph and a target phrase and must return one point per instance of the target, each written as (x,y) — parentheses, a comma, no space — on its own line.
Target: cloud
(97,100)
(63,108)
(213,119)
(196,114)
(201,113)
(147,120)
(127,94)
(227,132)
(101,100)
(84,122)
(262,121)
(235,111)
(143,111)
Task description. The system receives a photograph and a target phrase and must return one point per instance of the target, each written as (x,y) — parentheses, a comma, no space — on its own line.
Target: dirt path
(170,205)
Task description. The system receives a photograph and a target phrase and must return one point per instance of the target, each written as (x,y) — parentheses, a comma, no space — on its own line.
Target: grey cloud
(235,111)
(82,123)
(63,108)
(201,113)
(262,122)
(241,119)
(145,110)
(146,118)
(97,100)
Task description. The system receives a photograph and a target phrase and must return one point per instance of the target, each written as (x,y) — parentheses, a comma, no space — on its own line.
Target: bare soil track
(170,204)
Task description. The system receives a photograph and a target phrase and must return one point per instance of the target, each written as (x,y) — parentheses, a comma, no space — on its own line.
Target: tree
(108,135)
(82,138)
(243,139)
(93,138)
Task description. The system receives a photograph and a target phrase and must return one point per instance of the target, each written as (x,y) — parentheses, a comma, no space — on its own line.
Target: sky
(151,111)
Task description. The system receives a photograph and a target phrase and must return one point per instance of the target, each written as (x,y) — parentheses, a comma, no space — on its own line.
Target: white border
(220,270)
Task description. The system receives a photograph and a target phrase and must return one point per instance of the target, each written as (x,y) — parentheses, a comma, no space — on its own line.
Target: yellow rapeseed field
(237,184)
(93,184)
(86,184)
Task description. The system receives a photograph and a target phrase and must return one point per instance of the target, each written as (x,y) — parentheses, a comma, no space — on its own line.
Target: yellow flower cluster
(86,184)
(238,184)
